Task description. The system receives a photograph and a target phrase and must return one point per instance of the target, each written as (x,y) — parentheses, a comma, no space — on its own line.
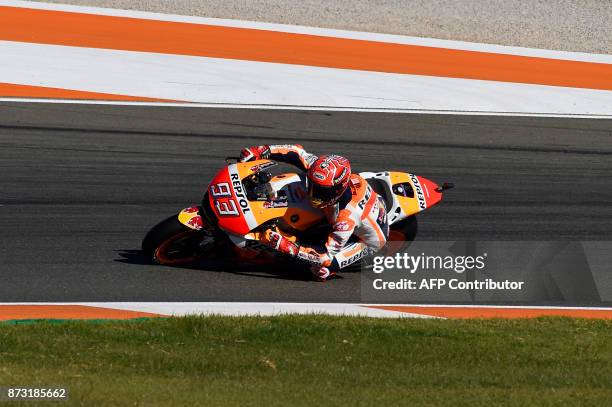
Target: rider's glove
(322,273)
(280,243)
(254,153)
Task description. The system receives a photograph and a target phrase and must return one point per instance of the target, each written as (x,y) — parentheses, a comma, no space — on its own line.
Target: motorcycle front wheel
(171,243)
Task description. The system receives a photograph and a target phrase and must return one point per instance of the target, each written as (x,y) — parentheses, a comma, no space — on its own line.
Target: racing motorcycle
(245,199)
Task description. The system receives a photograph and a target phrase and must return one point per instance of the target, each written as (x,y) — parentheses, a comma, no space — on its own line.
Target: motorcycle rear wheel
(401,234)
(171,243)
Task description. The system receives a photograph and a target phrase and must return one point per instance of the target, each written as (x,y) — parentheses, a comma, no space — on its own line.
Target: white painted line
(218,81)
(543,307)
(238,308)
(390,38)
(227,81)
(279,308)
(254,309)
(305,108)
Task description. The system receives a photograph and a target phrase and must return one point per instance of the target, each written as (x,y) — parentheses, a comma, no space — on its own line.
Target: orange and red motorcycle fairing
(243,199)
(239,216)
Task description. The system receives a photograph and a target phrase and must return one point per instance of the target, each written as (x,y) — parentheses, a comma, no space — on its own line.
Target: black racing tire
(172,243)
(401,234)
(408,227)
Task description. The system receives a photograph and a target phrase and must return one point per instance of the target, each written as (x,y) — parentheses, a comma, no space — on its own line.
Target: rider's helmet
(327,179)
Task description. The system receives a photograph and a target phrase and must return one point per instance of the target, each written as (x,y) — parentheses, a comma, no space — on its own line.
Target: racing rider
(349,203)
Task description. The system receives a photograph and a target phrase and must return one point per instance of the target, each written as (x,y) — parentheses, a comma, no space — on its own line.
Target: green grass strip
(62,321)
(314,360)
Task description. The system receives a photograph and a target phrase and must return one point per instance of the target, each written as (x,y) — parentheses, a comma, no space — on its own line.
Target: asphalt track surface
(82,184)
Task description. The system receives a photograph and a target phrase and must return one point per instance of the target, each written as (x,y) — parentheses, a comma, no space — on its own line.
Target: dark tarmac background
(82,184)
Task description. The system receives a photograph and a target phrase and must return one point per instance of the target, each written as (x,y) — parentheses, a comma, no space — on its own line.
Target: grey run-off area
(82,184)
(569,25)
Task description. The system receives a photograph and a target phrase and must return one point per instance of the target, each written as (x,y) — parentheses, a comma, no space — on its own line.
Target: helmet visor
(321,196)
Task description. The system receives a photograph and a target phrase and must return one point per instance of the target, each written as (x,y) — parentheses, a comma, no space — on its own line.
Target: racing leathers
(358,218)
